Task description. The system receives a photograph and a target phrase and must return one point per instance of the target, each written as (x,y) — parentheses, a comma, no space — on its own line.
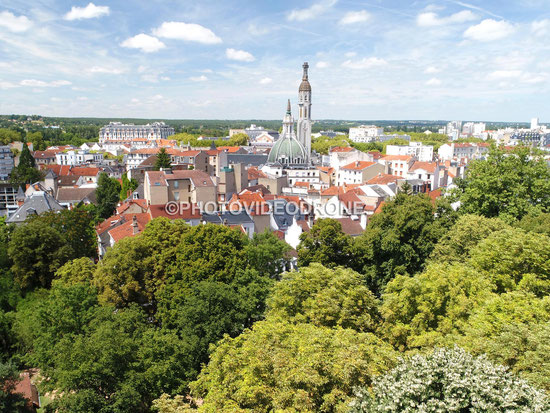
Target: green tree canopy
(326,244)
(278,366)
(506,184)
(451,381)
(399,239)
(163,160)
(325,298)
(108,194)
(465,234)
(25,172)
(37,250)
(128,186)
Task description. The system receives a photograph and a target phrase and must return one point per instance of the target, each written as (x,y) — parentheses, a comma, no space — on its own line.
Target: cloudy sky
(377,59)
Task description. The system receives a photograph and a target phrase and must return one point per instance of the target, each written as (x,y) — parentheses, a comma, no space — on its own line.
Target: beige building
(187,186)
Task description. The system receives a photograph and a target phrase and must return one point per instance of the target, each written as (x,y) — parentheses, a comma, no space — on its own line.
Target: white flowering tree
(450,380)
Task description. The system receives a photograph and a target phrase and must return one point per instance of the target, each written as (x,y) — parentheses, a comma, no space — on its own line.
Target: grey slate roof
(36,204)
(232,217)
(284,212)
(246,159)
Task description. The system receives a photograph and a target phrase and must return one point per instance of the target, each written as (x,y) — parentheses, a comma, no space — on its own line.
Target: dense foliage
(450,381)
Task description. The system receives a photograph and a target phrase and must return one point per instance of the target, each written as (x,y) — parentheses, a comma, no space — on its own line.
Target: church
(293,149)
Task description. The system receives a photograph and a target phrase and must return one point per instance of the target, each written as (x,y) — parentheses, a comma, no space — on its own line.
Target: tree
(509,255)
(325,298)
(76,227)
(163,160)
(428,308)
(509,185)
(37,250)
(268,254)
(25,172)
(80,270)
(278,366)
(326,244)
(525,348)
(450,380)
(239,139)
(464,235)
(535,222)
(399,239)
(128,186)
(107,193)
(8,136)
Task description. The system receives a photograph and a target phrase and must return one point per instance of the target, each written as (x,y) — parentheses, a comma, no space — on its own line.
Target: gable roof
(426,166)
(199,178)
(384,179)
(350,226)
(358,165)
(75,195)
(126,229)
(37,203)
(186,212)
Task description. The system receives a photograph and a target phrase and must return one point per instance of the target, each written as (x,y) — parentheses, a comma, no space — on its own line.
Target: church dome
(304,86)
(287,150)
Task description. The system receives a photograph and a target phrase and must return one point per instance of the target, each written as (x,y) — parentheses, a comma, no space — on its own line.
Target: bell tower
(303,127)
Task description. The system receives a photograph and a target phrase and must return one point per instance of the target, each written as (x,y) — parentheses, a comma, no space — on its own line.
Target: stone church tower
(303,128)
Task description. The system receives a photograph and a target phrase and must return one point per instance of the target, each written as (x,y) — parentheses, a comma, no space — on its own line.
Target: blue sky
(228,59)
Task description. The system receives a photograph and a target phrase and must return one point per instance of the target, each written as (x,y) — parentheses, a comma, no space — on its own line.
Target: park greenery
(430,309)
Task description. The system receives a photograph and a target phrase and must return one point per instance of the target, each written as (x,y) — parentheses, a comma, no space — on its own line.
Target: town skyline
(208,62)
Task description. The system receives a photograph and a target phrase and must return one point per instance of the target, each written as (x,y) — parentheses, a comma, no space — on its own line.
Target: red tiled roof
(108,223)
(28,390)
(127,230)
(59,170)
(142,203)
(396,158)
(186,212)
(44,154)
(341,149)
(384,179)
(379,207)
(199,178)
(333,190)
(426,166)
(326,169)
(352,202)
(358,165)
(79,171)
(229,149)
(350,226)
(255,173)
(302,184)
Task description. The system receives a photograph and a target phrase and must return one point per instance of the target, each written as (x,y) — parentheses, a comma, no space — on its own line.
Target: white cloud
(89,12)
(540,27)
(82,98)
(365,63)
(434,81)
(144,42)
(41,83)
(353,17)
(431,19)
(265,81)
(518,75)
(504,74)
(13,23)
(489,30)
(321,65)
(351,54)
(201,78)
(187,31)
(7,85)
(240,55)
(431,70)
(310,12)
(107,70)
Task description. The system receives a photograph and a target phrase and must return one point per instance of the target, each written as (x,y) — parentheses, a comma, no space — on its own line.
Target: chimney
(135,228)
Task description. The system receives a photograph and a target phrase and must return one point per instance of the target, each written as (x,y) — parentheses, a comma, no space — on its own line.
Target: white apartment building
(397,165)
(81,157)
(468,151)
(424,153)
(365,133)
(340,156)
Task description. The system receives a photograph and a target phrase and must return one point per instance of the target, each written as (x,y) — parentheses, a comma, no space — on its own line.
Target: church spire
(305,66)
(288,110)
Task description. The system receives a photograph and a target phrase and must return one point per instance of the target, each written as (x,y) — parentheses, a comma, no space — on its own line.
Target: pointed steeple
(288,110)
(305,86)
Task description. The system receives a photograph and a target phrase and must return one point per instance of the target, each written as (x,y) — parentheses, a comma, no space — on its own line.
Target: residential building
(37,203)
(185,186)
(80,157)
(456,151)
(6,163)
(397,165)
(365,133)
(424,153)
(358,172)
